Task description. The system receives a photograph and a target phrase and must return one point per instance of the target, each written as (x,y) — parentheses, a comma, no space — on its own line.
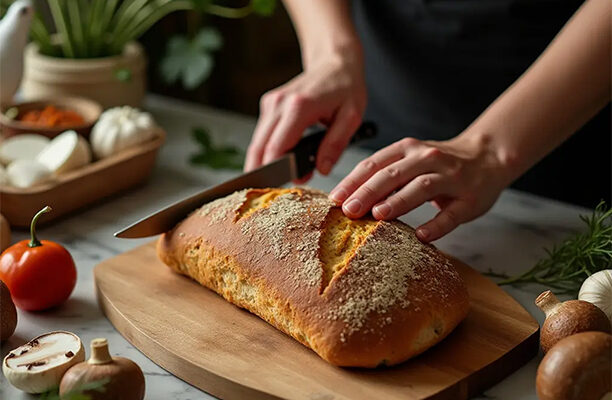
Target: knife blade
(296,164)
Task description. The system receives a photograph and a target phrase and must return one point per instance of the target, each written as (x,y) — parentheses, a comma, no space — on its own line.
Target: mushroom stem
(547,302)
(99,352)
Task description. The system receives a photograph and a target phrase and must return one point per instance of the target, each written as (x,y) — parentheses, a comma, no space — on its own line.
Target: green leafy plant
(191,60)
(575,259)
(77,394)
(100,28)
(215,156)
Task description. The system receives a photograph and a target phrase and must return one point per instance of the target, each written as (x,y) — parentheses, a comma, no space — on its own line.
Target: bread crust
(392,299)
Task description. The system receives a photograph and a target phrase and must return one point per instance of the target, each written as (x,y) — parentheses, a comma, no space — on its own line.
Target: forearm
(561,91)
(324,29)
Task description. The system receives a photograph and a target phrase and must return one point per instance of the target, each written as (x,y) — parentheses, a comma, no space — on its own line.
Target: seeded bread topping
(293,258)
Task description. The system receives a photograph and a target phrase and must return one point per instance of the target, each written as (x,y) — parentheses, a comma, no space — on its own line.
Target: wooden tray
(82,187)
(230,353)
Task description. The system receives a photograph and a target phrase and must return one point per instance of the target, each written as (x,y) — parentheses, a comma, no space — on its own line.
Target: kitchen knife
(297,163)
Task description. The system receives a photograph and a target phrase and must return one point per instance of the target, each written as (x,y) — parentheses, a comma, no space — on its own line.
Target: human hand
(462,178)
(332,93)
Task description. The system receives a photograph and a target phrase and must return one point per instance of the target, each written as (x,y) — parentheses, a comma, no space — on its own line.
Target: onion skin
(126,380)
(568,318)
(578,367)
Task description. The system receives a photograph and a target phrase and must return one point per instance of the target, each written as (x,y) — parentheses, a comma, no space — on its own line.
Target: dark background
(260,53)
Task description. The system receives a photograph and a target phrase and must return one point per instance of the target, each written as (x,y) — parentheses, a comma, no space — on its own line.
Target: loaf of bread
(359,292)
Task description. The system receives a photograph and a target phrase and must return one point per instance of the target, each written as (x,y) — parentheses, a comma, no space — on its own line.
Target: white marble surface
(508,239)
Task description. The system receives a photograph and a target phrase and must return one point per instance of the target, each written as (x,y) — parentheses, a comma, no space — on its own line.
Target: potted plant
(92,51)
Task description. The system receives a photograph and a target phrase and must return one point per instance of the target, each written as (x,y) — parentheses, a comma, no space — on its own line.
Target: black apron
(433,66)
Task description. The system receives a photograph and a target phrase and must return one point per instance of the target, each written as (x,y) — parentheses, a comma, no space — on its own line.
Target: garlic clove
(597,289)
(26,146)
(38,366)
(66,152)
(24,173)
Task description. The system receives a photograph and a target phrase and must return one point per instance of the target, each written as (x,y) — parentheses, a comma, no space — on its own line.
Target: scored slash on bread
(358,292)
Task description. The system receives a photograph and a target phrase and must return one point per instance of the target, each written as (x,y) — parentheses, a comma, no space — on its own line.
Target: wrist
(343,50)
(497,156)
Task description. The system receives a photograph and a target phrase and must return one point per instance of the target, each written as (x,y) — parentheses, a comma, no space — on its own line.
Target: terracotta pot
(111,81)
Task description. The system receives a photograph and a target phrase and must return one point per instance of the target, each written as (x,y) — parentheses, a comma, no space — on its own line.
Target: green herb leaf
(202,136)
(208,39)
(567,265)
(215,157)
(190,61)
(263,7)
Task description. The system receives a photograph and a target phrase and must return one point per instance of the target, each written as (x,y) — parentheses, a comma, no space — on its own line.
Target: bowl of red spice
(50,117)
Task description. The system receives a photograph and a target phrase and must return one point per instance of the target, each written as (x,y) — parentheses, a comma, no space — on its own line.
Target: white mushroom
(26,146)
(25,173)
(65,152)
(39,365)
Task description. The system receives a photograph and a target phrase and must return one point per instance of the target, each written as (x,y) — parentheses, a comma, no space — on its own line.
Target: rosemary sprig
(575,259)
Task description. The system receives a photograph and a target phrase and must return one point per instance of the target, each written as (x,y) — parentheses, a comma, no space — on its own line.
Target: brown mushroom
(567,318)
(576,368)
(5,233)
(8,313)
(123,378)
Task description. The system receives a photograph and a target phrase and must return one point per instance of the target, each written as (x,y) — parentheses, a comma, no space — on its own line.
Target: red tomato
(39,274)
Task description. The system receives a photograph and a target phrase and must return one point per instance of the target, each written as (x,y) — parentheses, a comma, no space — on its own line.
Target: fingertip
(423,233)
(353,208)
(338,195)
(382,211)
(325,166)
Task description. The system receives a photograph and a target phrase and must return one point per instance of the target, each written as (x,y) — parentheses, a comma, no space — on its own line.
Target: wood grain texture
(196,335)
(82,187)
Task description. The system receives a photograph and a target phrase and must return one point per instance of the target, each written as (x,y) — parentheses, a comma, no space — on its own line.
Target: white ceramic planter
(111,81)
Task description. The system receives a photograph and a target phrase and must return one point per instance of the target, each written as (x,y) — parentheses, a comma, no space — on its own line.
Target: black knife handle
(306,149)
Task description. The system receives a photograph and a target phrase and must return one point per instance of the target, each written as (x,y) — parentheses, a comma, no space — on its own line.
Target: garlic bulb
(119,128)
(597,289)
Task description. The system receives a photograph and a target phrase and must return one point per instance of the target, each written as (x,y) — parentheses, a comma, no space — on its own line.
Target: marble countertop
(509,238)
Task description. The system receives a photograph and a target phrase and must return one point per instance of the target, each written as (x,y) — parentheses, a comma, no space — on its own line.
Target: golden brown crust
(359,293)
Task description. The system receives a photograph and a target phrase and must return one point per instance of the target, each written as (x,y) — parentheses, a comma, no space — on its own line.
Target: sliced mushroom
(39,365)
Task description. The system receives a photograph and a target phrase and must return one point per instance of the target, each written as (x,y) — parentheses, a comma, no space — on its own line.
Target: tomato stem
(34,242)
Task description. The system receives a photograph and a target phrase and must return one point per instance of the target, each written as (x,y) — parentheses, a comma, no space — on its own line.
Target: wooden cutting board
(228,352)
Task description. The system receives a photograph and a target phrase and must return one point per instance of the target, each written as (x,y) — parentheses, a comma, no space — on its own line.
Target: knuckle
(270,99)
(408,142)
(296,101)
(368,165)
(392,172)
(425,183)
(432,154)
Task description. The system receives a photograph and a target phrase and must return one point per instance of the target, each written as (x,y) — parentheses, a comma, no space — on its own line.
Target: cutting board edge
(226,387)
(164,357)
